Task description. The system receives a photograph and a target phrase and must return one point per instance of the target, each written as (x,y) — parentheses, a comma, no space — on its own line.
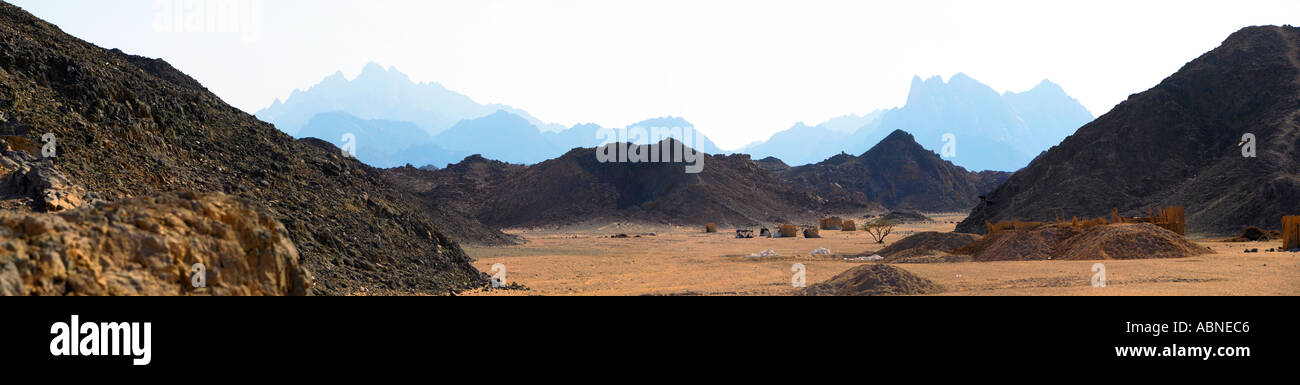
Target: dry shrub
(850,226)
(812,232)
(710,227)
(880,229)
(1172,219)
(832,223)
(1291,232)
(788,231)
(1089,223)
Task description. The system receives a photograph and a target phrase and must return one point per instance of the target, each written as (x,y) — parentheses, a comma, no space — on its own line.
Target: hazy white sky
(740,70)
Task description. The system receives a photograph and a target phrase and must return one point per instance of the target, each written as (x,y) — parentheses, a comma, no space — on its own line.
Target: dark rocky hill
(128,126)
(576,188)
(772,164)
(1178,145)
(457,195)
(899,174)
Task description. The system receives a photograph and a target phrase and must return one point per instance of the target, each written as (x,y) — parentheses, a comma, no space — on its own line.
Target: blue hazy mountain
(590,135)
(379,143)
(701,142)
(385,94)
(852,123)
(1051,114)
(578,136)
(374,105)
(993,131)
(803,144)
(501,136)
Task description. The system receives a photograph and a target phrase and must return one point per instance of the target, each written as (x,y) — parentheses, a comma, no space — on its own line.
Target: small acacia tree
(880,228)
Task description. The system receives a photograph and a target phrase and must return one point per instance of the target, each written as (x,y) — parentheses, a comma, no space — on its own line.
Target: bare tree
(880,228)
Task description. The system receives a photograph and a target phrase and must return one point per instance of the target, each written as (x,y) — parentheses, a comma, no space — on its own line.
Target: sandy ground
(687,261)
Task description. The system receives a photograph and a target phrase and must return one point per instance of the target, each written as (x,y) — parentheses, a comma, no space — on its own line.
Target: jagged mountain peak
(897,173)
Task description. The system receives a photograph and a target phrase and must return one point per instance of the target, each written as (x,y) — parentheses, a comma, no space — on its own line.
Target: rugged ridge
(1178,145)
(576,188)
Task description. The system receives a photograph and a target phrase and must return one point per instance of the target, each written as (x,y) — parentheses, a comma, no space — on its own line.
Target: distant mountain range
(395,122)
(380,143)
(385,94)
(1180,144)
(803,144)
(990,131)
(501,136)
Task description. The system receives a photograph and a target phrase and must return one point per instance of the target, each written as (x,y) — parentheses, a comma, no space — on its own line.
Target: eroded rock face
(37,181)
(147,246)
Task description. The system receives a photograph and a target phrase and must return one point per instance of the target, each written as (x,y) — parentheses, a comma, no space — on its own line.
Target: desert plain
(677,261)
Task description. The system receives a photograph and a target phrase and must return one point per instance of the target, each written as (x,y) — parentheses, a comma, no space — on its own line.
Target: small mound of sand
(1117,241)
(874,280)
(1037,244)
(926,244)
(1128,241)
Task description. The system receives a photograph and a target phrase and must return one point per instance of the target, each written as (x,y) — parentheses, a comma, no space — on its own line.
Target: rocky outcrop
(130,127)
(150,246)
(36,183)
